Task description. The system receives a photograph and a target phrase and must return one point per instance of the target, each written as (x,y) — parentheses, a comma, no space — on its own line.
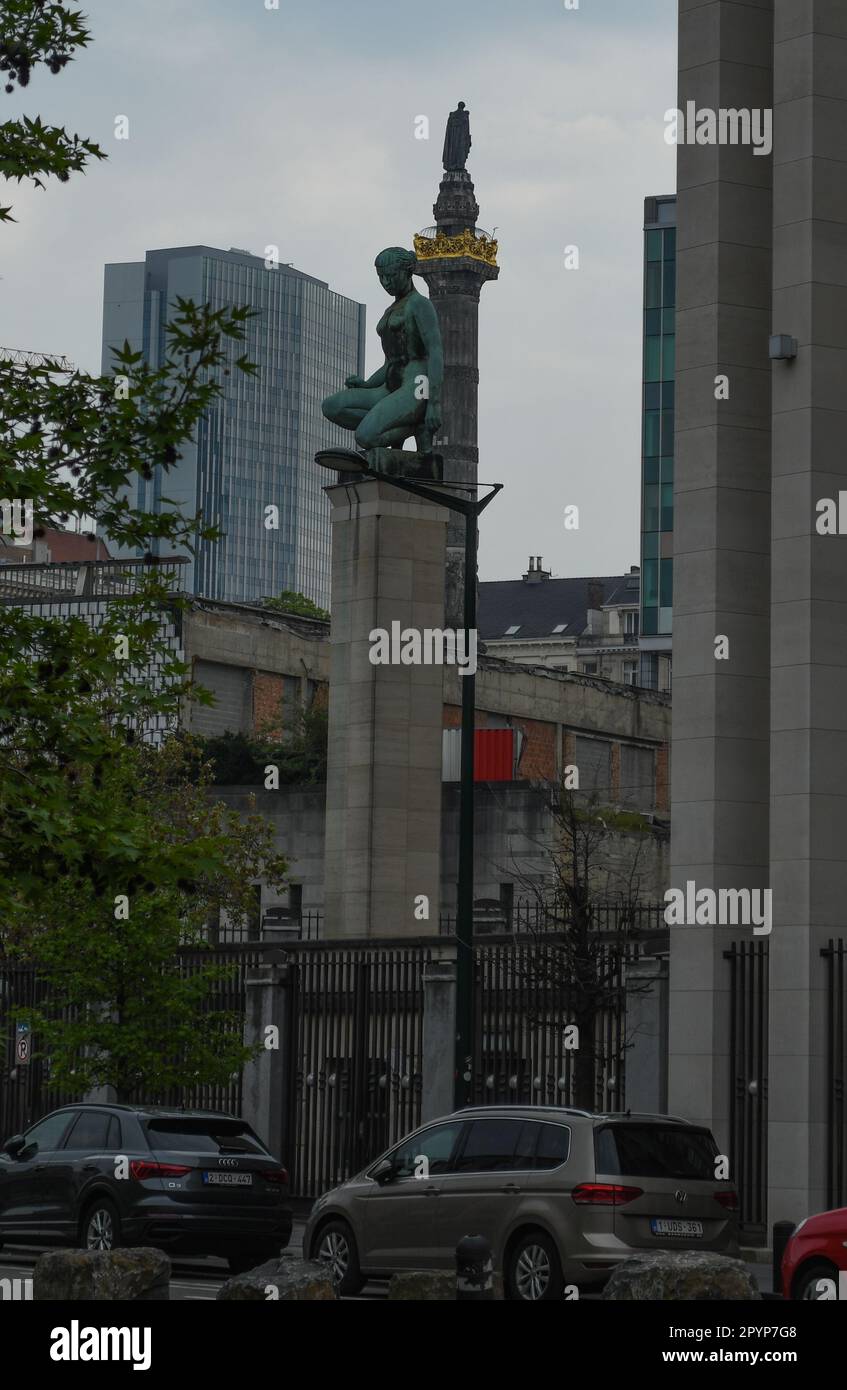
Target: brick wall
(268,693)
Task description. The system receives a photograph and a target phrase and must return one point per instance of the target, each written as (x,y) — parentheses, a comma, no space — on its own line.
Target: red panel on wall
(494,755)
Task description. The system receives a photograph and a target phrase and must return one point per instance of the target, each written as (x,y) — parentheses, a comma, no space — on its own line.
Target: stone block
(681,1276)
(133,1275)
(287,1279)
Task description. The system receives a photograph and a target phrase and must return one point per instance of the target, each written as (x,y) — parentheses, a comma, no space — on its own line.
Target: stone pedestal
(383,812)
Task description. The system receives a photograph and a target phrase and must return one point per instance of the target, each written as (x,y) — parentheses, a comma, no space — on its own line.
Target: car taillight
(142,1168)
(604,1194)
(278,1175)
(727,1199)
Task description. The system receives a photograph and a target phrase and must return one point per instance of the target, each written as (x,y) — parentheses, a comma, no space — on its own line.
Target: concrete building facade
(760,733)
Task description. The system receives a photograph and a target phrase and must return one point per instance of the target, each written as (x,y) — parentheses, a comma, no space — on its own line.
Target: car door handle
(89,1167)
(431,1191)
(510,1187)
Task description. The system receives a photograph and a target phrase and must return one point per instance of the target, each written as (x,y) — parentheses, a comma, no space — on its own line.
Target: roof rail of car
(524,1105)
(645,1115)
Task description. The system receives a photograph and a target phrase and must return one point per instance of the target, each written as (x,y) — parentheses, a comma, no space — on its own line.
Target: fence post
(646,1026)
(265,1081)
(438,1034)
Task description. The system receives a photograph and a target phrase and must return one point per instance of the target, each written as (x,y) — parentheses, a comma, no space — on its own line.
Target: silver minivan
(562,1195)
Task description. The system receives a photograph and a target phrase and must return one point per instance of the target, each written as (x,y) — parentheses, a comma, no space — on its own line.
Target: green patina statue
(403,397)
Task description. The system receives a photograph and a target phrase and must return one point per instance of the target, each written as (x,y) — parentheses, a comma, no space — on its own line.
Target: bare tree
(588,910)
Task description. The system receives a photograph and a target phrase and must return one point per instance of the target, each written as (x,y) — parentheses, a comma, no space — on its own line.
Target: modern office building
(255,446)
(657,447)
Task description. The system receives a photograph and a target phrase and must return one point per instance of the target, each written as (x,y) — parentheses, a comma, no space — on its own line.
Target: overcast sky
(252,126)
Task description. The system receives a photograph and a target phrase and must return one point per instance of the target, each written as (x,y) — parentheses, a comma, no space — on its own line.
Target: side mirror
(13,1146)
(383,1172)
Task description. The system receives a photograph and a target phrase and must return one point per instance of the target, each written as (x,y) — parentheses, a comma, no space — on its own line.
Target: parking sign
(22,1044)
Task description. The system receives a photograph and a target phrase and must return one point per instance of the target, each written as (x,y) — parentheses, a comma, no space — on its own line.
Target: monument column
(383,805)
(456,258)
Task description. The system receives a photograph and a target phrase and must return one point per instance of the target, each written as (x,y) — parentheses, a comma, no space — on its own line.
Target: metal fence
(357,1035)
(525,1049)
(748,1081)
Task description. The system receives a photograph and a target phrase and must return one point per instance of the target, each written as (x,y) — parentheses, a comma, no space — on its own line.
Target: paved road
(199,1280)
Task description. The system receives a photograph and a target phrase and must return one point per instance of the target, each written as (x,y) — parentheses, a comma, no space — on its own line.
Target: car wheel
(336,1248)
(806,1283)
(101,1226)
(535,1272)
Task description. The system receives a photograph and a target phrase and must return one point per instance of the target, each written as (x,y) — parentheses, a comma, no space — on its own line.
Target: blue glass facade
(255,446)
(657,451)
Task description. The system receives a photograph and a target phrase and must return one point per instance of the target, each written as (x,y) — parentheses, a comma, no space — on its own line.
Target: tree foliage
(91,816)
(121,1010)
(36,33)
(239,759)
(291,602)
(588,901)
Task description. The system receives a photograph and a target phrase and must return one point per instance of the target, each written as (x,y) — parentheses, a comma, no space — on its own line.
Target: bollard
(474,1269)
(782,1232)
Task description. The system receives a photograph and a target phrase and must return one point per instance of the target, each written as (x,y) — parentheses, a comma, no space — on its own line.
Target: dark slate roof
(540,607)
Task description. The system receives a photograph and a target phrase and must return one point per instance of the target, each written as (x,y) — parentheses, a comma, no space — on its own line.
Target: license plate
(229,1179)
(677,1228)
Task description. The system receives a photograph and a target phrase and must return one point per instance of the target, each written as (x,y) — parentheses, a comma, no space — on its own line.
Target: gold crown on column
(433,244)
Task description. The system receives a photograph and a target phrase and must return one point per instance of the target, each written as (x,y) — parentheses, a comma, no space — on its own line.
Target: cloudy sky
(252,126)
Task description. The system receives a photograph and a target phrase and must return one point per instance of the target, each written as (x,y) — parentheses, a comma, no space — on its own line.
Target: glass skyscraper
(657,449)
(255,446)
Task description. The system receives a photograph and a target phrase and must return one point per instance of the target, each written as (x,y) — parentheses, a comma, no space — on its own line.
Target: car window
(114,1139)
(497,1145)
(554,1144)
(90,1132)
(47,1134)
(655,1151)
(208,1135)
(435,1145)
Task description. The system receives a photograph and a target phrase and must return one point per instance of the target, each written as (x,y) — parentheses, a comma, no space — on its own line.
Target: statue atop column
(457,140)
(403,397)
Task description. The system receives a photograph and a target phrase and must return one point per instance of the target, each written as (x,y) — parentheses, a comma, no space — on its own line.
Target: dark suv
(191,1182)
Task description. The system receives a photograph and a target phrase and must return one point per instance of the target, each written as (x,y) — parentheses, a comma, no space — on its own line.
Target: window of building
(512,631)
(630,673)
(638,778)
(561,627)
(593,757)
(589,668)
(630,624)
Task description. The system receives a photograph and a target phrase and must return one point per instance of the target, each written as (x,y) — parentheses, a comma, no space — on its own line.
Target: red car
(817,1252)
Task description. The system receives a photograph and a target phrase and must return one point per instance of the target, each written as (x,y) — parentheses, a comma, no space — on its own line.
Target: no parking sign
(23,1044)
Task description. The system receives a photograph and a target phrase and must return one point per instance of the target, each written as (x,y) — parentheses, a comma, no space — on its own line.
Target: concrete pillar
(264,1096)
(439,1035)
(720,779)
(647,1035)
(383,810)
(809,602)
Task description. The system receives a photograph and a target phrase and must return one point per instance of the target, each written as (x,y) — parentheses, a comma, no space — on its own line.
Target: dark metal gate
(748,1080)
(356,1035)
(522,1046)
(836,1166)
